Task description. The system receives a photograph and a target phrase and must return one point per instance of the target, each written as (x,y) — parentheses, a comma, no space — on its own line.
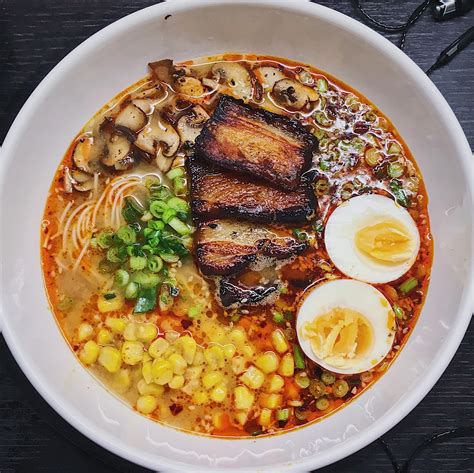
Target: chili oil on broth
(359,152)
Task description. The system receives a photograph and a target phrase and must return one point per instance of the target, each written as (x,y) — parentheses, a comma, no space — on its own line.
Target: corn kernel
(268,362)
(200,397)
(104,337)
(279,341)
(275,384)
(158,347)
(84,332)
(210,379)
(219,420)
(287,365)
(110,359)
(146,332)
(146,404)
(238,336)
(217,334)
(253,378)
(177,382)
(162,371)
(129,332)
(243,397)
(198,358)
(239,364)
(147,371)
(193,372)
(229,350)
(178,363)
(171,335)
(247,351)
(115,324)
(132,352)
(214,356)
(265,418)
(219,393)
(122,380)
(270,401)
(146,357)
(89,352)
(241,417)
(110,305)
(187,346)
(151,388)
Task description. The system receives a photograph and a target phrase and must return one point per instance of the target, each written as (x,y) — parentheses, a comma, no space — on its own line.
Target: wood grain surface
(34,37)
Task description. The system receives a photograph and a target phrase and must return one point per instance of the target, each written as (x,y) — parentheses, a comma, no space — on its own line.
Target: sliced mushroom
(292,94)
(236,76)
(131,117)
(189,86)
(86,153)
(82,181)
(159,138)
(162,70)
(120,152)
(190,125)
(268,76)
(67,180)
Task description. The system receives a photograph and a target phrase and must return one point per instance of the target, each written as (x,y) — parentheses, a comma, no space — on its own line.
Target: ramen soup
(237,245)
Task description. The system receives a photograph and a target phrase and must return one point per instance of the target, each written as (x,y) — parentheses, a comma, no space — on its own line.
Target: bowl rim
(453,338)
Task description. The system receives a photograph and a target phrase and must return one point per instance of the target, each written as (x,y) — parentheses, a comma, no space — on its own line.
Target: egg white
(361,297)
(347,219)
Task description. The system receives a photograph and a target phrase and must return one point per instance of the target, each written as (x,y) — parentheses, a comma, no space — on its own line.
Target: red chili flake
(186,323)
(176,409)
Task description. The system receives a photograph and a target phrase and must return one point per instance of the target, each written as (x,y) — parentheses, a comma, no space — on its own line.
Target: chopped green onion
(340,388)
(131,291)
(160,192)
(146,279)
(109,296)
(322,85)
(302,380)
(178,204)
(157,207)
(179,185)
(408,285)
(324,165)
(395,169)
(147,217)
(156,225)
(299,357)
(399,193)
(194,312)
(322,119)
(300,234)
(327,378)
(168,214)
(322,404)
(278,317)
(137,263)
(127,234)
(114,256)
(146,300)
(131,211)
(121,277)
(318,133)
(104,239)
(282,415)
(394,148)
(155,264)
(175,172)
(180,227)
(169,258)
(105,266)
(317,388)
(398,311)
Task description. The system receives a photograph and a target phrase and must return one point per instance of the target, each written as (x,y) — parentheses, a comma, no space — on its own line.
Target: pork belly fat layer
(221,194)
(226,247)
(257,142)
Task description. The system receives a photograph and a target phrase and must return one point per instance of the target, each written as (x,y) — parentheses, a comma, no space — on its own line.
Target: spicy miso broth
(186,226)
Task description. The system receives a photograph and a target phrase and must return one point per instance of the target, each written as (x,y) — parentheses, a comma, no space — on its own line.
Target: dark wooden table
(34,37)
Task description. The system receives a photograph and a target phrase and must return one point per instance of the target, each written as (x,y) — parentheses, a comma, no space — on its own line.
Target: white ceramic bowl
(116,57)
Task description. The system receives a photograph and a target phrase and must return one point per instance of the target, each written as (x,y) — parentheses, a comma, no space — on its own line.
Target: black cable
(412,19)
(437,438)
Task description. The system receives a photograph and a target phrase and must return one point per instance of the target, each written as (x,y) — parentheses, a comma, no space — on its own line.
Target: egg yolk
(340,337)
(387,241)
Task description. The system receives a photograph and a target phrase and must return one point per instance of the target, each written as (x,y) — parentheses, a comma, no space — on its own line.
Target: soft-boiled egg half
(345,326)
(372,238)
